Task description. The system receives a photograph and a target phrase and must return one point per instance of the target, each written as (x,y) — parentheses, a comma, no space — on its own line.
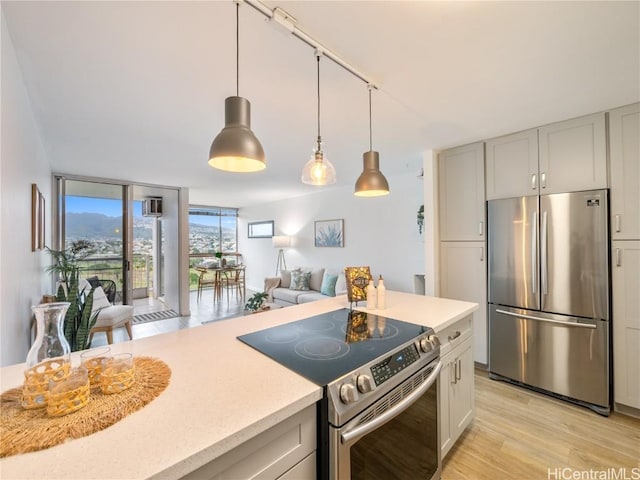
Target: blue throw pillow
(329,285)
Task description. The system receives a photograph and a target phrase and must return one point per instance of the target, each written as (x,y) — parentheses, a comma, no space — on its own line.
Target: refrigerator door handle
(543,254)
(540,319)
(534,253)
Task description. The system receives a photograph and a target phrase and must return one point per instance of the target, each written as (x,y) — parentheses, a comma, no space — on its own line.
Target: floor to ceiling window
(211,230)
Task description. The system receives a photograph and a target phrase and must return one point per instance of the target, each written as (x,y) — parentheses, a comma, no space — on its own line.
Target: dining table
(219,271)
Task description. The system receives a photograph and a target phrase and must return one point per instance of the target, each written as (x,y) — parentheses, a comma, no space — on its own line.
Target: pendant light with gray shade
(318,170)
(236,148)
(371,182)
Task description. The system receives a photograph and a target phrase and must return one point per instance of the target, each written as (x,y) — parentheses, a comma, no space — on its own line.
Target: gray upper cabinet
(461,193)
(624,134)
(573,155)
(512,165)
(567,156)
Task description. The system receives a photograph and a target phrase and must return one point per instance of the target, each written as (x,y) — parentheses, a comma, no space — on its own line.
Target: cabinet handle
(618,229)
(453,368)
(482,254)
(543,180)
(533,182)
(480,228)
(456,335)
(458,370)
(618,257)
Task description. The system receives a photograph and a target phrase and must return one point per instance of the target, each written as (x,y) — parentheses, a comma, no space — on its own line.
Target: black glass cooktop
(325,347)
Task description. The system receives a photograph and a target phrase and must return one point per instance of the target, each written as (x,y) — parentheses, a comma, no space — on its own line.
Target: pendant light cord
(318,85)
(237,49)
(370,130)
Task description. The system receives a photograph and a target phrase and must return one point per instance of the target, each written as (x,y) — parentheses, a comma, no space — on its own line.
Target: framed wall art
(37,219)
(329,233)
(261,229)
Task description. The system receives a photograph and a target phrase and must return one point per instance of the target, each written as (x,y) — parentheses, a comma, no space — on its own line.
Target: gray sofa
(280,292)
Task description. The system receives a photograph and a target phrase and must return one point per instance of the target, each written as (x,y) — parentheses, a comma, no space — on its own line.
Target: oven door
(396,437)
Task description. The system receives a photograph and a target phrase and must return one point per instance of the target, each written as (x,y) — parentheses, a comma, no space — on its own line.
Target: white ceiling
(135,90)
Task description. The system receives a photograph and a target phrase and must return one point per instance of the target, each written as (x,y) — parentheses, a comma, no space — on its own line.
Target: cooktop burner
(325,347)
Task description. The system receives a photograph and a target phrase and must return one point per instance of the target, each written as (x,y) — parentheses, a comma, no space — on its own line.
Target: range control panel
(397,362)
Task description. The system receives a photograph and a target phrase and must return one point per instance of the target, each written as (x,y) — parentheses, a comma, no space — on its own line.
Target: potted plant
(420,218)
(78,320)
(222,261)
(256,302)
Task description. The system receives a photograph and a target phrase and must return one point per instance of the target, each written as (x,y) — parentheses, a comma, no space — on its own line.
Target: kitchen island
(222,394)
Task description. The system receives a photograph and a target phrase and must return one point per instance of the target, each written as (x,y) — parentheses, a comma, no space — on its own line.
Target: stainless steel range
(379,414)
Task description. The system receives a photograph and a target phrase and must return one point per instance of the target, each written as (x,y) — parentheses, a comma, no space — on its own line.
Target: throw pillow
(99,299)
(285,278)
(300,280)
(329,285)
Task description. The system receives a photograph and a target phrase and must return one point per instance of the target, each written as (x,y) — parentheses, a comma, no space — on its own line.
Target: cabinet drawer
(267,455)
(454,335)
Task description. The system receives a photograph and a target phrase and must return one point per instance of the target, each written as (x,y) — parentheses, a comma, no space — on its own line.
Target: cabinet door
(626,322)
(461,396)
(446,442)
(624,134)
(461,193)
(573,155)
(512,165)
(463,277)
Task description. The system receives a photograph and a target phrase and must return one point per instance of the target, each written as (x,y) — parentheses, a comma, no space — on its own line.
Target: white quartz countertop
(222,393)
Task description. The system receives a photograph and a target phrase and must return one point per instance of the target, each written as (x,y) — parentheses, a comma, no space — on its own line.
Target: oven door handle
(409,400)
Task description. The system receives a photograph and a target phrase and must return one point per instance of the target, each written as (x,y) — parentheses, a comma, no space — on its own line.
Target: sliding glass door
(96,213)
(133,233)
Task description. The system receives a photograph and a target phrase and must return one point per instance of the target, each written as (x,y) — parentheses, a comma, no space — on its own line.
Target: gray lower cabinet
(456,404)
(285,451)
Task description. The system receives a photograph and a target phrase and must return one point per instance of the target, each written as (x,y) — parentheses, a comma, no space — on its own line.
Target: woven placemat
(30,430)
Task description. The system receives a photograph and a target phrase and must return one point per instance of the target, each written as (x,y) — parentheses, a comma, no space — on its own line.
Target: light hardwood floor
(202,311)
(519,434)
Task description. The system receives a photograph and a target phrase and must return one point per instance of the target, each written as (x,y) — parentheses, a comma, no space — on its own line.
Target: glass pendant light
(236,148)
(318,170)
(371,182)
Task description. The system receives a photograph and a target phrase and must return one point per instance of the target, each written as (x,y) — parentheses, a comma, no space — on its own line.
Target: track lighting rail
(288,22)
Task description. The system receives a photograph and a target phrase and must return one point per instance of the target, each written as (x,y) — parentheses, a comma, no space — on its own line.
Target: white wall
(380,232)
(23,162)
(431,250)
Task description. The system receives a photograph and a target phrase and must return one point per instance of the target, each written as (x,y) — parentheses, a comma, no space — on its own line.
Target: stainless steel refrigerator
(548,267)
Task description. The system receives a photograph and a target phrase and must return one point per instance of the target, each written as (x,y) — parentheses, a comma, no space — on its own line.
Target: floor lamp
(281,242)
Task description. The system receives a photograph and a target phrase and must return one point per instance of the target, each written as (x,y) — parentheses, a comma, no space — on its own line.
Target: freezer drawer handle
(548,320)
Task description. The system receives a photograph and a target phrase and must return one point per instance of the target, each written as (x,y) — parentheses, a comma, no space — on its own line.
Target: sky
(113,208)
(106,206)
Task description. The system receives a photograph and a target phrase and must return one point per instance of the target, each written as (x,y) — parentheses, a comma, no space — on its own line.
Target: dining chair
(234,279)
(205,281)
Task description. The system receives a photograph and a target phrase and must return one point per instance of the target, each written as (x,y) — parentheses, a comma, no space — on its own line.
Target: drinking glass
(117,374)
(93,360)
(69,394)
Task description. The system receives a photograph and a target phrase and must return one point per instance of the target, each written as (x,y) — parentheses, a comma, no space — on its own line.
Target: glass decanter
(50,355)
